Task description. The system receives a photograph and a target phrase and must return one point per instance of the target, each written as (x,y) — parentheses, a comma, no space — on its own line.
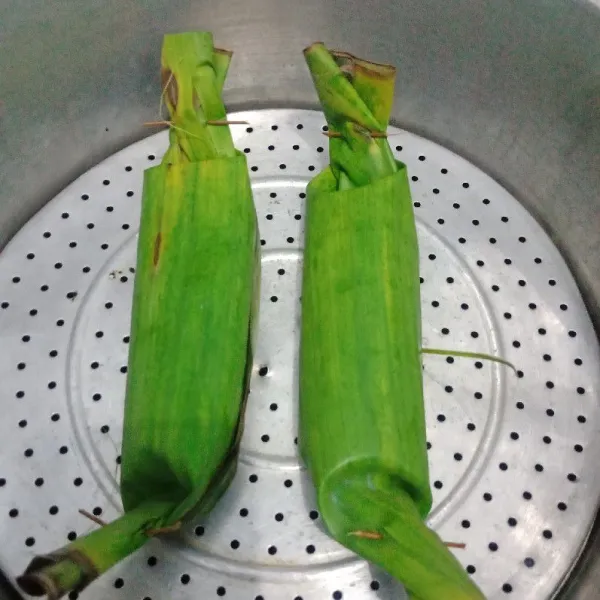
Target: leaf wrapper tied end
(57,573)
(193,72)
(357,97)
(76,565)
(403,545)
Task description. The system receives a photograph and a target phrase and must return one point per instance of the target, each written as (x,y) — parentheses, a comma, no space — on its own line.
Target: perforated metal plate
(513,458)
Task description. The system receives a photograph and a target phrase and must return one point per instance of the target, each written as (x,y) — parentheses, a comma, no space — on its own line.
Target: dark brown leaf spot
(157,243)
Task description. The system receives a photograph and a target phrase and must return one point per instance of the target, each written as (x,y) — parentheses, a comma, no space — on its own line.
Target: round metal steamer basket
(513,456)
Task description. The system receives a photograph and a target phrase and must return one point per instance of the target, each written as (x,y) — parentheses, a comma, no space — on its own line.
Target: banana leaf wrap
(195,296)
(362,416)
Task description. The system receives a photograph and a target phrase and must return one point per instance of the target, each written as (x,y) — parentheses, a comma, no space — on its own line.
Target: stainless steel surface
(514,86)
(513,458)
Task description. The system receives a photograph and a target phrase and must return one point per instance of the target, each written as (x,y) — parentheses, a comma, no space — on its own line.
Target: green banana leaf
(362,417)
(196,291)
